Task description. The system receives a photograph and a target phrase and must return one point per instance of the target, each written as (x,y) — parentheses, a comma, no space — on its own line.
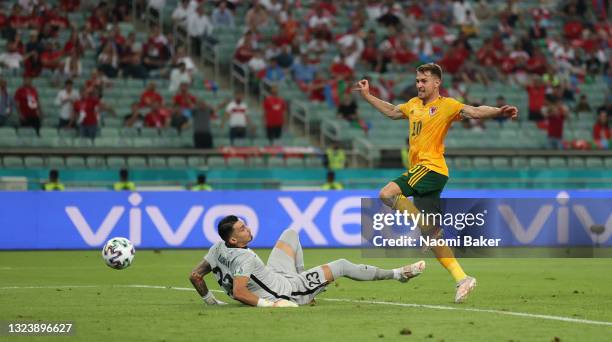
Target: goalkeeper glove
(210,299)
(283,303)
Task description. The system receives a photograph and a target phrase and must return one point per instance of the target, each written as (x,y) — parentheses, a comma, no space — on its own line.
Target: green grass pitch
(564,299)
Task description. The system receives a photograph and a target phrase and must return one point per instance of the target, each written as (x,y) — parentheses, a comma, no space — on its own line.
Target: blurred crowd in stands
(549,49)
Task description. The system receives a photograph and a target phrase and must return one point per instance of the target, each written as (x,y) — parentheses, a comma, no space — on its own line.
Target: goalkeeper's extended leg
(344,268)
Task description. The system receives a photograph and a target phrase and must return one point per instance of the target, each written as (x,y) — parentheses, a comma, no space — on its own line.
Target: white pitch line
(345,300)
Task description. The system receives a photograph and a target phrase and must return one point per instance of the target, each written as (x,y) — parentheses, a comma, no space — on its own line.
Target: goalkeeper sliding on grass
(282,282)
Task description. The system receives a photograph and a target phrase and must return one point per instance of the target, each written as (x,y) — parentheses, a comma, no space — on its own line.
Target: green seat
(142,142)
(26,132)
(8,132)
(196,162)
(149,132)
(157,162)
(500,162)
(109,133)
(463,162)
(48,132)
(576,163)
(557,162)
(538,163)
(314,161)
(33,161)
(482,162)
(9,141)
(82,142)
(107,142)
(216,162)
(55,162)
(115,162)
(75,162)
(12,162)
(137,162)
(95,162)
(257,162)
(177,162)
(238,162)
(594,163)
(519,162)
(276,162)
(608,162)
(295,163)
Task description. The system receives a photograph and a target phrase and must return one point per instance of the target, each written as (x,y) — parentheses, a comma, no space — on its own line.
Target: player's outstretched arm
(388,109)
(241,293)
(486,112)
(197,280)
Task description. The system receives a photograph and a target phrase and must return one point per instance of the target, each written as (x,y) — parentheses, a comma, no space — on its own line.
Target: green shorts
(425,186)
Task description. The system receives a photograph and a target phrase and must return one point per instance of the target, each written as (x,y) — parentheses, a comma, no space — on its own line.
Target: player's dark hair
(433,68)
(226,227)
(123,174)
(53,174)
(201,178)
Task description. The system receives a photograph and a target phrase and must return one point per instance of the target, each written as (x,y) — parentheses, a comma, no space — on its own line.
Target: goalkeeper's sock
(446,258)
(345,268)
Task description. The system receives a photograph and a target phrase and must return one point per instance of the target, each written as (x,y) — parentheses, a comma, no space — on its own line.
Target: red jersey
(149,97)
(154,119)
(184,100)
(87,110)
(27,101)
(555,125)
(274,109)
(537,95)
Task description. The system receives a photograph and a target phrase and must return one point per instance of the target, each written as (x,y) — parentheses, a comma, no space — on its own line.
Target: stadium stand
(540,56)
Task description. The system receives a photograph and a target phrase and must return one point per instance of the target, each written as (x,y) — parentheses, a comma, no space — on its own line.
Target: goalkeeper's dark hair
(226,227)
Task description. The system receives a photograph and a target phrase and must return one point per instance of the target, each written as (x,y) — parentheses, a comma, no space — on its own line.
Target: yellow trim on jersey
(417,177)
(415,168)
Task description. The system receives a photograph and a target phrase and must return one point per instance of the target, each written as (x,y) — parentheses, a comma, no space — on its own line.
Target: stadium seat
(314,162)
(500,162)
(12,162)
(216,162)
(520,162)
(75,162)
(482,162)
(594,163)
(95,162)
(576,163)
(177,162)
(295,163)
(276,162)
(538,163)
(463,162)
(557,163)
(157,162)
(236,162)
(33,161)
(115,162)
(137,162)
(196,162)
(55,162)
(608,162)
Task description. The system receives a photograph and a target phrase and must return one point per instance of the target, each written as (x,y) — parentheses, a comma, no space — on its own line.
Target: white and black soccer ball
(118,253)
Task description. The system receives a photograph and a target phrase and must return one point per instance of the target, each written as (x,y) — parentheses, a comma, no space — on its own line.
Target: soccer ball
(118,253)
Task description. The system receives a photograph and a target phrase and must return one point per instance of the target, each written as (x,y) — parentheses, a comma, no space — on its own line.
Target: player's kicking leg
(394,195)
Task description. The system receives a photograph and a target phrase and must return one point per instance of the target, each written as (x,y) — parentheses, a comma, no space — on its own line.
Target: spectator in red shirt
(155,119)
(88,110)
(556,113)
(51,58)
(150,98)
(184,101)
(316,88)
(537,63)
(70,5)
(339,69)
(28,105)
(275,109)
(601,131)
(537,94)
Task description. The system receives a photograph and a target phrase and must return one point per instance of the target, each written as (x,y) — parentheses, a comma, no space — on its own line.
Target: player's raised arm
(241,293)
(197,279)
(486,112)
(388,109)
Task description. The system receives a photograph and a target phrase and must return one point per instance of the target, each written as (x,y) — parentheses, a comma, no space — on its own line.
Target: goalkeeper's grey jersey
(227,263)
